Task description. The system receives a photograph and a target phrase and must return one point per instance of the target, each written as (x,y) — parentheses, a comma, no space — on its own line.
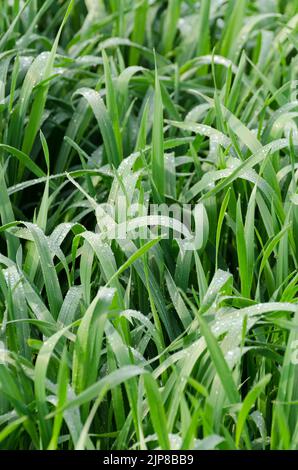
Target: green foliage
(137,343)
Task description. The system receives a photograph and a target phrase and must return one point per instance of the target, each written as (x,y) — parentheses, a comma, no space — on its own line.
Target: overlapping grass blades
(135,342)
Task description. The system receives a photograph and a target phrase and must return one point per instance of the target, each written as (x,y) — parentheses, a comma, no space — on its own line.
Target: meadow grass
(138,343)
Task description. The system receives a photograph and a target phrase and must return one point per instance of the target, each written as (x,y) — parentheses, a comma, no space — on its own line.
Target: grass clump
(135,342)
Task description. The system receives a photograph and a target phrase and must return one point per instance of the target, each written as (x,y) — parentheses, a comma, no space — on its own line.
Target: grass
(130,343)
